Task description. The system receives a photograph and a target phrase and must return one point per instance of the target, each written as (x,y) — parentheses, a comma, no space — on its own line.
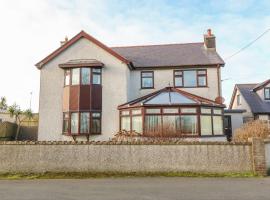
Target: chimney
(64,42)
(209,40)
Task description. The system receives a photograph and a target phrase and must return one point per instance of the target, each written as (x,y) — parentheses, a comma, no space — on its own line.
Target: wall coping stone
(121,143)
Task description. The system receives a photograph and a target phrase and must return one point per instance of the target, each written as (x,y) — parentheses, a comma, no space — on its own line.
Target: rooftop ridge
(147,45)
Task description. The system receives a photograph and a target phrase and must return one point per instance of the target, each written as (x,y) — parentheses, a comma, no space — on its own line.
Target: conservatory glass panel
(153,125)
(137,124)
(189,124)
(171,125)
(169,98)
(218,125)
(125,123)
(206,125)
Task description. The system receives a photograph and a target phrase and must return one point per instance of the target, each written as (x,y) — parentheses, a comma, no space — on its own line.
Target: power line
(249,44)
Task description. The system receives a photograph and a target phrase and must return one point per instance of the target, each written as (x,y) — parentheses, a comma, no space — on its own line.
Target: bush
(257,128)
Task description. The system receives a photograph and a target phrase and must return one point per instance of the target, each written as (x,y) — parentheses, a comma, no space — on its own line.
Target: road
(137,188)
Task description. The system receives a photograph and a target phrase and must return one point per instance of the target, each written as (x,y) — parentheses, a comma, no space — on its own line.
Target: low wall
(267,154)
(112,156)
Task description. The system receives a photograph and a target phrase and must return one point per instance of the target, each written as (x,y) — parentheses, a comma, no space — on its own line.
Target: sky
(31,29)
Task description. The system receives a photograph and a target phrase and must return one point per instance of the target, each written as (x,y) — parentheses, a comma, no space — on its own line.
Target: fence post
(258,156)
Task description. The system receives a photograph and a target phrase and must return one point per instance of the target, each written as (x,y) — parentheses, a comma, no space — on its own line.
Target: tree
(3,103)
(20,115)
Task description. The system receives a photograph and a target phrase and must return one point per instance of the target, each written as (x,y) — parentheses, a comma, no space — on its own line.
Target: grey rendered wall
(216,157)
(236,119)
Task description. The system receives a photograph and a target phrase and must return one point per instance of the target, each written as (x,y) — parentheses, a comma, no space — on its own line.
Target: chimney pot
(64,42)
(209,32)
(209,40)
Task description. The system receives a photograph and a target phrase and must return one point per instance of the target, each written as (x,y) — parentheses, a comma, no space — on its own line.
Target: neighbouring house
(91,91)
(254,98)
(5,117)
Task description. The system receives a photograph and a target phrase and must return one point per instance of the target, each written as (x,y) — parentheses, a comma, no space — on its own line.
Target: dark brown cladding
(96,97)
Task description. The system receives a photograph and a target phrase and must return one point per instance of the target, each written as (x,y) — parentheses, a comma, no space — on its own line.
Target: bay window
(96,76)
(85,76)
(190,78)
(96,123)
(75,78)
(67,77)
(84,122)
(74,123)
(66,123)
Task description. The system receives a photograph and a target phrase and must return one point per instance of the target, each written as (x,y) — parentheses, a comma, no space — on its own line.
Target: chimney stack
(209,40)
(64,42)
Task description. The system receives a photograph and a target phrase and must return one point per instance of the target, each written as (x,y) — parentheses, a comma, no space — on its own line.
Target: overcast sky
(32,29)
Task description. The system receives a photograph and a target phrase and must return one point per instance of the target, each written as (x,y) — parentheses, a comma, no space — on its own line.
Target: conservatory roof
(170,96)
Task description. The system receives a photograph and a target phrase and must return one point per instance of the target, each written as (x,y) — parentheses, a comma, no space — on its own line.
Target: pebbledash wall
(219,157)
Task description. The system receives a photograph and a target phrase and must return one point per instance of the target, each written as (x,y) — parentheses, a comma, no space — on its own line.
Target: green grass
(86,175)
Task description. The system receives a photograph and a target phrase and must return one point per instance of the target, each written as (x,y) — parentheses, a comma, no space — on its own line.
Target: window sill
(192,87)
(147,88)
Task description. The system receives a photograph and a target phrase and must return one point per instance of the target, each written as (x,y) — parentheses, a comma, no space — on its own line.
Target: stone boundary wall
(112,156)
(267,155)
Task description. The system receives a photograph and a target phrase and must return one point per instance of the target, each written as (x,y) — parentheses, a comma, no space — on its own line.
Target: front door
(228,127)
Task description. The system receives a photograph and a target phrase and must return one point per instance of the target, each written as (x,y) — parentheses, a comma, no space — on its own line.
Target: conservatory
(172,112)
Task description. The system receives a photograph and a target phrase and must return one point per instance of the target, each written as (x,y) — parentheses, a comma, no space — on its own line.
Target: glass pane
(67,77)
(96,126)
(84,122)
(190,78)
(96,78)
(153,110)
(75,76)
(171,125)
(178,81)
(147,82)
(136,112)
(206,125)
(137,124)
(201,72)
(170,110)
(218,126)
(267,93)
(97,115)
(65,129)
(206,110)
(178,73)
(188,110)
(189,124)
(125,123)
(96,70)
(74,123)
(169,98)
(147,74)
(202,80)
(66,116)
(125,112)
(217,111)
(85,76)
(153,125)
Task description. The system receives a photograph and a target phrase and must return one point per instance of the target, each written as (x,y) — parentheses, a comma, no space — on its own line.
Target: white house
(91,91)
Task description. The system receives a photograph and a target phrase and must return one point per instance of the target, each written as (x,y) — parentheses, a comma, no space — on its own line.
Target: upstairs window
(82,76)
(238,99)
(147,80)
(267,93)
(190,78)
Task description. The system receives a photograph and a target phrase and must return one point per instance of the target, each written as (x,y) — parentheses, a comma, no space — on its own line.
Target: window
(178,78)
(170,110)
(84,122)
(136,112)
(153,110)
(147,80)
(125,123)
(267,93)
(153,125)
(238,99)
(96,123)
(85,76)
(137,124)
(190,78)
(75,80)
(188,110)
(201,75)
(96,76)
(66,123)
(74,123)
(67,77)
(171,124)
(206,110)
(217,125)
(189,124)
(206,125)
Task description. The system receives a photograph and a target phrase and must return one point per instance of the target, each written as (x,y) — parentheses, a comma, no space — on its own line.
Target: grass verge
(86,175)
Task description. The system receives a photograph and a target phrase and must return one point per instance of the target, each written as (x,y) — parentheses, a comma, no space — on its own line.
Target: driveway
(137,188)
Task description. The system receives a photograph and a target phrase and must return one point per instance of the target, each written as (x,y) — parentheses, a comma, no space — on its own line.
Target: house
(91,91)
(254,98)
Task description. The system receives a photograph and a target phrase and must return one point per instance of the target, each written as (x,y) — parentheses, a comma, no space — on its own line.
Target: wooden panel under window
(96,97)
(85,97)
(74,97)
(66,99)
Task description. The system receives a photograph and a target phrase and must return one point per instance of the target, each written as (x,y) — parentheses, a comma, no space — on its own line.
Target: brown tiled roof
(169,55)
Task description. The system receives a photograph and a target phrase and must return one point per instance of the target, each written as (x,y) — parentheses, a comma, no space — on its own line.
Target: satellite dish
(220,100)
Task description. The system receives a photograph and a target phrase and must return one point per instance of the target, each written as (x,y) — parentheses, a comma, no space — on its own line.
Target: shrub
(257,128)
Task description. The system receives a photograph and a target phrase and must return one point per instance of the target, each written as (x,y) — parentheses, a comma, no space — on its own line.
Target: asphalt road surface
(137,188)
